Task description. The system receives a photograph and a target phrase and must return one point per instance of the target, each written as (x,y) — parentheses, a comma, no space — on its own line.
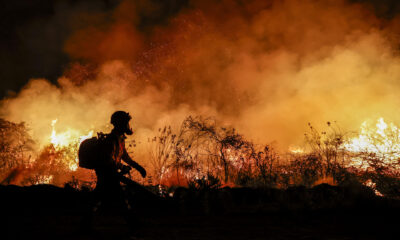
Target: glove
(125,169)
(142,171)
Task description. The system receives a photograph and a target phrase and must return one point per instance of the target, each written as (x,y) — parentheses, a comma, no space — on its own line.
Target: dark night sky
(32,34)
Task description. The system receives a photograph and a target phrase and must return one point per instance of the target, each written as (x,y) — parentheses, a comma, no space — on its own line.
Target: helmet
(120,120)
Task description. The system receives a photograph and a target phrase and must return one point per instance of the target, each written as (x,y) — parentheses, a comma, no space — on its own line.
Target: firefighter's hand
(142,171)
(125,169)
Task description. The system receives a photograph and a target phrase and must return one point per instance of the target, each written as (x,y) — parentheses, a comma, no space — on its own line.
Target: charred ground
(321,212)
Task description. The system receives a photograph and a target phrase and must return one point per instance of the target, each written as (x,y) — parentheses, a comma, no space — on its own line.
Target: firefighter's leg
(96,201)
(132,219)
(89,213)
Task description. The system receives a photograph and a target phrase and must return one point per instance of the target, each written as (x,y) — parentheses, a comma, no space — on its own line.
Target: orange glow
(296,150)
(381,139)
(68,137)
(265,68)
(45,179)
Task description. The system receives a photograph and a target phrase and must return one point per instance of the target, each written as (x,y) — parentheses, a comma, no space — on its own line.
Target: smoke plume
(266,68)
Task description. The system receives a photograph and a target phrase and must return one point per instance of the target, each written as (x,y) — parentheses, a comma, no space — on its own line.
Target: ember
(219,108)
(382,140)
(260,82)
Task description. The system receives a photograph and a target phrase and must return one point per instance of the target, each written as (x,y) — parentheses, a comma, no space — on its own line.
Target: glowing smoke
(265,67)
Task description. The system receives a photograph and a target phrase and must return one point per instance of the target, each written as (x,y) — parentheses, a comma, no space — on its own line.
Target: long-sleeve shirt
(114,153)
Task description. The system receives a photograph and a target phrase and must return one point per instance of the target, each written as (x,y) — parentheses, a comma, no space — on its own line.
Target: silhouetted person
(108,191)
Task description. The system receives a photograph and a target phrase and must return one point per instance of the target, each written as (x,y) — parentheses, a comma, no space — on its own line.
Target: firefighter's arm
(126,158)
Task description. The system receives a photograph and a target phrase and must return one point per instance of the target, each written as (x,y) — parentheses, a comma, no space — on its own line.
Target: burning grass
(202,154)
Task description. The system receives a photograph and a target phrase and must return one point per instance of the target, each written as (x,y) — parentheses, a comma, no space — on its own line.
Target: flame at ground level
(380,140)
(57,160)
(372,152)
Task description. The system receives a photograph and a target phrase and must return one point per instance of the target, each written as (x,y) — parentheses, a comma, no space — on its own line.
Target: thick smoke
(265,67)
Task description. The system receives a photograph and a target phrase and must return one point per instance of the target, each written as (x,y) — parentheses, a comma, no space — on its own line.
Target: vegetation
(16,148)
(203,155)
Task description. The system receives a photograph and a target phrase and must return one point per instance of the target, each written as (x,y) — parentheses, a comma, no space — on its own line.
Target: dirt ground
(323,225)
(54,213)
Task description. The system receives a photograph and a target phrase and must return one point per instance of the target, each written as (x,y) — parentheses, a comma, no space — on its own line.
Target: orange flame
(68,139)
(383,140)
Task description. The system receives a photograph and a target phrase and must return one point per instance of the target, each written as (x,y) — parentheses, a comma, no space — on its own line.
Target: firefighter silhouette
(109,170)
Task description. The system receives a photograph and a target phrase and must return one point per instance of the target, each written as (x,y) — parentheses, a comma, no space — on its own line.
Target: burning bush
(16,150)
(24,163)
(203,154)
(202,150)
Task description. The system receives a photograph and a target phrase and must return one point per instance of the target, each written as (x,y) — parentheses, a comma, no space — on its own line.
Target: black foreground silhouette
(321,212)
(132,211)
(104,154)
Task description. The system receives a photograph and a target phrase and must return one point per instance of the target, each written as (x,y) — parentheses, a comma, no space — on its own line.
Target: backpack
(92,151)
